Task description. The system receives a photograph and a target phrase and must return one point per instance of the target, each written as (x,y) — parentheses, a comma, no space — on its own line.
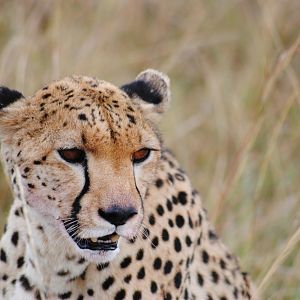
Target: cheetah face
(86,152)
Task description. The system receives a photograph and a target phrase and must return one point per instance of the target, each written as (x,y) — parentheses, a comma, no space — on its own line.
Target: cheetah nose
(117,215)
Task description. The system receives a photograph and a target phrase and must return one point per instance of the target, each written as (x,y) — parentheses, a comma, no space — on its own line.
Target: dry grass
(234,67)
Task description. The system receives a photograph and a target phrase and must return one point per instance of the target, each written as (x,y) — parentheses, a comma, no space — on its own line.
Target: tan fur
(168,250)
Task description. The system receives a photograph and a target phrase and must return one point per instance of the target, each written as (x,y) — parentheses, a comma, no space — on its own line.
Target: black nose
(117,215)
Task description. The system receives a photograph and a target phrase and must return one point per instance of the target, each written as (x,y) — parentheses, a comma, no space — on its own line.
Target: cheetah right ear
(8,96)
(151,91)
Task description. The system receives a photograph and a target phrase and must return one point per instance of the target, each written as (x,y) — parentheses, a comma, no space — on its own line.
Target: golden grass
(234,123)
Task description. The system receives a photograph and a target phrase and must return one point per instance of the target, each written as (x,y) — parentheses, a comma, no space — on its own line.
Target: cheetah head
(86,152)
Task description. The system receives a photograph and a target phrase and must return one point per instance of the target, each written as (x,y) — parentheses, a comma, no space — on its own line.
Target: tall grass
(235,119)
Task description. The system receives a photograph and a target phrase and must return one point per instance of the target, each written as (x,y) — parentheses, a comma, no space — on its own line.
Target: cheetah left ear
(151,91)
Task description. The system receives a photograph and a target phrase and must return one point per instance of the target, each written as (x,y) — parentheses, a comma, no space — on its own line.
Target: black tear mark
(143,90)
(76,206)
(8,96)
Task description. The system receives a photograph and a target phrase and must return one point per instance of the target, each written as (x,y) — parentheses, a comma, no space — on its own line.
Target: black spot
(131,118)
(63,273)
(141,273)
(188,241)
(169,205)
(157,263)
(140,254)
(200,219)
(120,294)
(215,276)
(143,90)
(66,295)
(45,96)
(82,117)
(137,295)
(179,221)
(186,295)
(205,257)
(159,183)
(102,266)
(160,210)
(127,278)
(168,267)
(200,279)
(175,199)
(154,242)
(90,292)
(222,264)
(236,293)
(126,262)
(177,244)
(30,185)
(15,238)
(171,223)
(3,256)
(191,223)
(177,280)
(151,219)
(4,277)
(211,234)
(80,297)
(8,96)
(146,233)
(108,283)
(37,295)
(25,283)
(153,287)
(165,235)
(19,211)
(167,296)
(182,197)
(179,177)
(20,262)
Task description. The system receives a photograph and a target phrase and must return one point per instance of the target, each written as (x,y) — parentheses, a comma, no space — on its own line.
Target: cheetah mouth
(104,243)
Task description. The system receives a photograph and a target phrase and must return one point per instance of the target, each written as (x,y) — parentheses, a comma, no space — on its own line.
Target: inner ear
(151,91)
(150,86)
(143,90)
(8,96)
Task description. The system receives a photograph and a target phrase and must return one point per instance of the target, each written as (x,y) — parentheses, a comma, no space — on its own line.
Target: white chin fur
(99,257)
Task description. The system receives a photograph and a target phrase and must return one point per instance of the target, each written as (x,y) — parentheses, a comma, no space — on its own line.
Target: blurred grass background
(235,118)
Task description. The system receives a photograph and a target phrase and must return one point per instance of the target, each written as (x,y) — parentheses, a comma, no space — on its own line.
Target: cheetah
(102,210)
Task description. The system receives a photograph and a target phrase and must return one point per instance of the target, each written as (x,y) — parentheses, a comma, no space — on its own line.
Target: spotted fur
(167,247)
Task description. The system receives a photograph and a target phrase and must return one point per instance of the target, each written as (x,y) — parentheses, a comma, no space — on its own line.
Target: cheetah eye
(140,155)
(73,155)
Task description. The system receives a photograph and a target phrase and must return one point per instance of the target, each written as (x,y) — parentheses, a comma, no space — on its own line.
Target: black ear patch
(143,90)
(8,96)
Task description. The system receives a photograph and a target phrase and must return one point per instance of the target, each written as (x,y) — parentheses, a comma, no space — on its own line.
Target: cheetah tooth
(115,237)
